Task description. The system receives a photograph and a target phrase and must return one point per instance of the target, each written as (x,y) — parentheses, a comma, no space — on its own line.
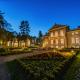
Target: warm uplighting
(0,41)
(73,52)
(54,50)
(45,44)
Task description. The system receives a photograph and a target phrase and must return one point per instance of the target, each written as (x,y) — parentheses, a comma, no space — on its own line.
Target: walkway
(13,57)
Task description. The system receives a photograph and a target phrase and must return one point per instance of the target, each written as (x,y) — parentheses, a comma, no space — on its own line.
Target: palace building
(61,36)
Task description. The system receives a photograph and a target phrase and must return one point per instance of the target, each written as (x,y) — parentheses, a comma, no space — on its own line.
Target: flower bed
(46,66)
(6,52)
(39,67)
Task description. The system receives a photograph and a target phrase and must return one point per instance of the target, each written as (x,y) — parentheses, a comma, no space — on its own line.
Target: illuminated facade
(16,43)
(60,36)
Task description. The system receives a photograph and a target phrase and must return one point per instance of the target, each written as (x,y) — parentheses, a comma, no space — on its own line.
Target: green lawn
(73,72)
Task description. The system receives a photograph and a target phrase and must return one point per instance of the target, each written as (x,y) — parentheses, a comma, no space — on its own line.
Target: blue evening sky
(41,14)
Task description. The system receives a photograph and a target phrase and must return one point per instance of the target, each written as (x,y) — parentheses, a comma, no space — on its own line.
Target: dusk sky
(41,14)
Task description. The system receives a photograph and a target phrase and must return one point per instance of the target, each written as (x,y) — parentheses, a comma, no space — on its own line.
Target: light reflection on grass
(73,71)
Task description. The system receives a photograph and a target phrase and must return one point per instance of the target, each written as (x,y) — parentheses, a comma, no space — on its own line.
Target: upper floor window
(51,41)
(49,38)
(61,33)
(72,33)
(57,47)
(56,33)
(73,40)
(77,40)
(62,41)
(56,41)
(46,42)
(62,46)
(51,34)
(76,32)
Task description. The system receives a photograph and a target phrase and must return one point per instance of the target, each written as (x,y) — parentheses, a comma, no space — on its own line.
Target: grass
(73,72)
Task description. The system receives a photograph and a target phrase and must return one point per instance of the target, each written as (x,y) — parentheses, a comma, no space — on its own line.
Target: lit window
(49,38)
(51,46)
(51,34)
(77,40)
(61,33)
(56,33)
(22,43)
(51,41)
(57,47)
(62,46)
(28,42)
(73,40)
(56,41)
(76,32)
(77,46)
(62,41)
(8,43)
(46,42)
(15,44)
(1,42)
(73,46)
(72,33)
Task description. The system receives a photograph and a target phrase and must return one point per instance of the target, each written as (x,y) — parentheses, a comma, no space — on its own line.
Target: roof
(57,26)
(78,28)
(75,29)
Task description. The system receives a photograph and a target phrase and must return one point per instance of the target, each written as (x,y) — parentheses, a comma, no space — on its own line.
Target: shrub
(2,50)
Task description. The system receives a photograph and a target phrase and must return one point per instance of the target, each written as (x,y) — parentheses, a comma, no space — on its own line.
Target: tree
(78,27)
(1,20)
(2,29)
(5,30)
(4,24)
(8,26)
(39,39)
(40,34)
(1,25)
(24,30)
